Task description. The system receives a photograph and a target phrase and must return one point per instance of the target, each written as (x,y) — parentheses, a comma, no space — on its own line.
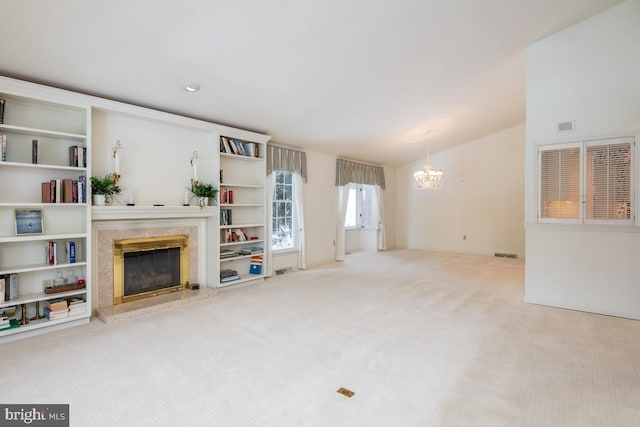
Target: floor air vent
(501,255)
(284,270)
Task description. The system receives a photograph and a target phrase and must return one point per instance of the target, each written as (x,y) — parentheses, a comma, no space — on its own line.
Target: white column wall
(589,73)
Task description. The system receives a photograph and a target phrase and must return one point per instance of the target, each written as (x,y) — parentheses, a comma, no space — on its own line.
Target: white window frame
(294,233)
(359,203)
(582,219)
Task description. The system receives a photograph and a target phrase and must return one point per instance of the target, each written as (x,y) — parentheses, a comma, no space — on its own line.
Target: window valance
(286,159)
(358,173)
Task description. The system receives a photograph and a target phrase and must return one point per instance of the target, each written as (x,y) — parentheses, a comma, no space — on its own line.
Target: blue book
(71,251)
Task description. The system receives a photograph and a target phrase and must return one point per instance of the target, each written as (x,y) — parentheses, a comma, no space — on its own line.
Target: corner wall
(321,207)
(589,73)
(481,198)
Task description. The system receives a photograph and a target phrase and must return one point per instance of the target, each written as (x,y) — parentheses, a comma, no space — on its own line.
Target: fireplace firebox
(149,266)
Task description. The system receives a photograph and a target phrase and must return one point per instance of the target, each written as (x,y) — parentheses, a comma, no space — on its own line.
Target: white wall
(589,73)
(482,197)
(155,160)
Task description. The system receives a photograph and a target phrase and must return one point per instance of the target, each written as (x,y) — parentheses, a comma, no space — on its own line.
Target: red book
(67,190)
(46,192)
(52,253)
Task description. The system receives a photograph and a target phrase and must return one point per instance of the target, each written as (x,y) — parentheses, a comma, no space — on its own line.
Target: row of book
(9,287)
(229,235)
(78,156)
(225,217)
(52,253)
(238,147)
(65,190)
(226,197)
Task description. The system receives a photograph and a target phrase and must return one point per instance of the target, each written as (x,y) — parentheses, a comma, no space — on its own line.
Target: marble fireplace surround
(114,223)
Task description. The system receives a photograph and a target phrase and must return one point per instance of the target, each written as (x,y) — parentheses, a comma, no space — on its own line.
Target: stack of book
(77,306)
(253,250)
(228,275)
(6,323)
(56,309)
(256,265)
(227,253)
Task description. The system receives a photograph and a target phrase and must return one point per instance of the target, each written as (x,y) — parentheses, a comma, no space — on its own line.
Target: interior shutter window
(608,181)
(560,183)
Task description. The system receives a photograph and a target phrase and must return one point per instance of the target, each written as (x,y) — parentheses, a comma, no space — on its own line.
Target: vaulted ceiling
(370,80)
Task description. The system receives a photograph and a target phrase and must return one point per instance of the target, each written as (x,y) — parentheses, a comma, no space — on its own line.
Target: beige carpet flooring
(423,339)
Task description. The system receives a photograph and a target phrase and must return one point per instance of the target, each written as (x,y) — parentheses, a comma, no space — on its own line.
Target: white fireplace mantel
(110,213)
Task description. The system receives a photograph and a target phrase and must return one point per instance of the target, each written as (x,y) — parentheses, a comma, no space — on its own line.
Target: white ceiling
(363,79)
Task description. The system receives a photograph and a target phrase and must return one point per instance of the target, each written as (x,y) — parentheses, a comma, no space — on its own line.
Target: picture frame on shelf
(28,221)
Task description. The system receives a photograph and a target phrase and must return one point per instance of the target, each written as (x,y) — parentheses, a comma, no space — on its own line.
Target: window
(362,207)
(282,221)
(587,182)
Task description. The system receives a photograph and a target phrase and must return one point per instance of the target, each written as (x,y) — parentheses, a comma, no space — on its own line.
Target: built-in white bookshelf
(39,126)
(242,199)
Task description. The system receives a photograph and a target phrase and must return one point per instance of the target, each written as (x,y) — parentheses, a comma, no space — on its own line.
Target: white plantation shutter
(560,183)
(608,181)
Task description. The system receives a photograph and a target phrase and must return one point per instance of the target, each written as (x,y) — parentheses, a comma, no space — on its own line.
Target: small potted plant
(204,192)
(102,188)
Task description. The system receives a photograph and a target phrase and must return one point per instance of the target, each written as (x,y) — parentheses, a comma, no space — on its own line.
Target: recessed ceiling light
(192,87)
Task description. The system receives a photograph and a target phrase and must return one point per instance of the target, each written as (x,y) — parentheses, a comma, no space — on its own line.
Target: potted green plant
(204,192)
(102,188)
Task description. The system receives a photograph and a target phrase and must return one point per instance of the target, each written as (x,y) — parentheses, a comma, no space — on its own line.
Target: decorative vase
(203,202)
(99,199)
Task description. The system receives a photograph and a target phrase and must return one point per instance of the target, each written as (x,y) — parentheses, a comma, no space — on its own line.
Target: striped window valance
(286,159)
(358,173)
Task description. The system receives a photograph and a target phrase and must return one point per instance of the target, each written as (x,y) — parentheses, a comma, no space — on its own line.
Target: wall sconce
(116,160)
(194,165)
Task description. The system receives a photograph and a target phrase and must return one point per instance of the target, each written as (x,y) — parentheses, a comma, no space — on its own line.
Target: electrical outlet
(464,237)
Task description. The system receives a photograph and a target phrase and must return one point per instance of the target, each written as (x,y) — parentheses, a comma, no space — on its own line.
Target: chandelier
(428,178)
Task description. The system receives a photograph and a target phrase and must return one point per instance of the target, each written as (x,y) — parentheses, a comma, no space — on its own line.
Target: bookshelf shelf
(41,132)
(46,323)
(226,184)
(241,243)
(243,279)
(241,157)
(42,205)
(241,256)
(42,166)
(242,226)
(38,267)
(41,296)
(42,237)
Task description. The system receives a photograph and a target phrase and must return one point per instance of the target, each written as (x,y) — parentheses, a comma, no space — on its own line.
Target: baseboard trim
(583,308)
